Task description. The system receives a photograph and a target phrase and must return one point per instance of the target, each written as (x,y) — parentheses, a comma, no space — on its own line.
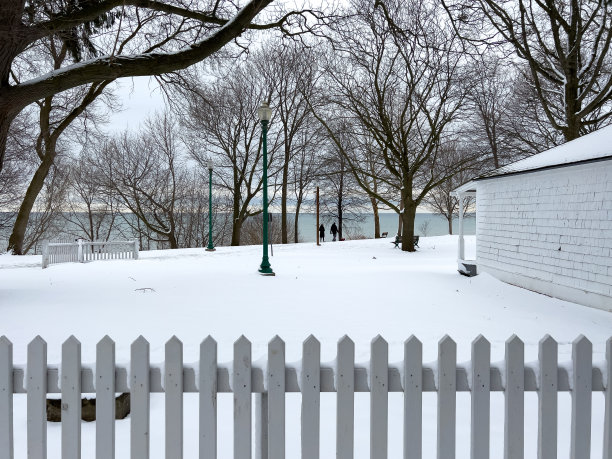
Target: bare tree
(304,169)
(252,230)
(56,115)
(47,221)
(92,209)
(400,85)
(341,197)
(222,118)
(439,199)
(290,69)
(372,172)
(564,46)
(506,122)
(193,222)
(490,107)
(165,36)
(14,176)
(148,174)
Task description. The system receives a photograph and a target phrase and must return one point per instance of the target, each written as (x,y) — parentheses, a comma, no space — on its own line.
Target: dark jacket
(334,229)
(321,230)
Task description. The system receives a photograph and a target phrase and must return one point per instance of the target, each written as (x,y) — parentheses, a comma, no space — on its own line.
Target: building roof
(594,146)
(465,189)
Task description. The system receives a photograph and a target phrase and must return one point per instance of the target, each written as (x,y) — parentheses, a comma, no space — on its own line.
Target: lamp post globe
(265,113)
(210,247)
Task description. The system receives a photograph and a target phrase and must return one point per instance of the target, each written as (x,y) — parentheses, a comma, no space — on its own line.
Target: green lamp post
(265,113)
(210,247)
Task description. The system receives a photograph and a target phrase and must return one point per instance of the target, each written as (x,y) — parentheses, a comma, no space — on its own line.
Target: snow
(358,288)
(595,145)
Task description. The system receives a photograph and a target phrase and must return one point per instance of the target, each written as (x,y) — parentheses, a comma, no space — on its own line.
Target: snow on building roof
(466,188)
(594,146)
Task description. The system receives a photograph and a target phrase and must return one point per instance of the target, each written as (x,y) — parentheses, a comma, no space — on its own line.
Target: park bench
(398,241)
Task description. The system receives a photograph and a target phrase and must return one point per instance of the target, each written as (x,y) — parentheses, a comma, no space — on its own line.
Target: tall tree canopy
(398,90)
(564,49)
(109,39)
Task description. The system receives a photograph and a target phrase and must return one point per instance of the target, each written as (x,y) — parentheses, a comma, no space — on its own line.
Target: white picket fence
(82,251)
(271,380)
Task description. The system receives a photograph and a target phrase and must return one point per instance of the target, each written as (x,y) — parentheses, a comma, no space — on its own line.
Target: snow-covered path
(358,288)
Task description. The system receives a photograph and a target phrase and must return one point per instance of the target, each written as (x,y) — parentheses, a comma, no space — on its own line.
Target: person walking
(334,230)
(322,233)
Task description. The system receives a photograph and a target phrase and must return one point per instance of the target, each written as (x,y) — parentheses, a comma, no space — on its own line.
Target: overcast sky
(140,97)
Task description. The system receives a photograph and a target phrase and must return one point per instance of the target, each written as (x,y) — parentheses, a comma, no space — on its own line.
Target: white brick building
(545,223)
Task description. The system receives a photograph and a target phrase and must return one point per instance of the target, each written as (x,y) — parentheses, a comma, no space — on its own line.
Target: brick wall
(554,226)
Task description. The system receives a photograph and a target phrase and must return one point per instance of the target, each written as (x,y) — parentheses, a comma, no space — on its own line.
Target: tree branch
(104,68)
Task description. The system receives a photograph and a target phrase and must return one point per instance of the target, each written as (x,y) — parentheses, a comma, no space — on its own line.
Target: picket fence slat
(547,399)
(447,401)
(481,398)
(6,398)
(71,399)
(515,399)
(139,399)
(311,397)
(208,399)
(379,399)
(105,399)
(241,385)
(345,409)
(261,425)
(173,386)
(276,399)
(582,359)
(413,398)
(272,378)
(36,399)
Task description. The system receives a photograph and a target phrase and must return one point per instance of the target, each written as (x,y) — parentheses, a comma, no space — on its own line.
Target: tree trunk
(572,91)
(91,234)
(572,131)
(23,216)
(296,233)
(450,224)
(5,125)
(236,219)
(11,36)
(236,232)
(408,217)
(172,241)
(340,217)
(376,218)
(340,196)
(400,219)
(284,238)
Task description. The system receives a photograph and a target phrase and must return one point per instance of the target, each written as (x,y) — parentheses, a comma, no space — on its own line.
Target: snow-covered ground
(359,288)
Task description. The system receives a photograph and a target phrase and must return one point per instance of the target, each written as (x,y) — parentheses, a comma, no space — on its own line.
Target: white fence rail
(82,251)
(271,380)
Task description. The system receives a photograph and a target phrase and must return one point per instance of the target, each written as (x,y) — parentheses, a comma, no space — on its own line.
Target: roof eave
(539,169)
(466,189)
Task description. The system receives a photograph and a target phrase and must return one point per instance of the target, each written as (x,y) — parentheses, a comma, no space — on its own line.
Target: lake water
(436,225)
(425,225)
